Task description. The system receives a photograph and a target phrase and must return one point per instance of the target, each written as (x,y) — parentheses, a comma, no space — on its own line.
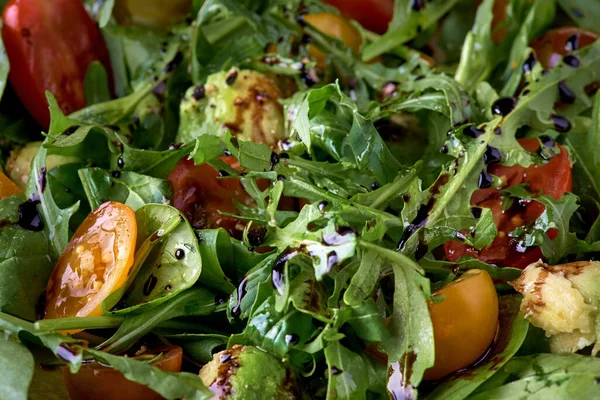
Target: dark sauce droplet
(561,124)
(231,78)
(241,292)
(374,185)
(179,254)
(168,287)
(547,141)
(224,358)
(174,63)
(498,131)
(292,339)
(476,211)
(529,63)
(115,174)
(417,5)
(332,260)
(227,152)
(322,206)
(406,197)
(29,217)
(284,155)
(274,160)
(42,179)
(281,178)
(70,130)
(278,270)
(198,93)
(572,42)
(504,105)
(571,60)
(492,155)
(565,94)
(444,149)
(150,285)
(222,173)
(335,371)
(121,162)
(472,132)
(485,180)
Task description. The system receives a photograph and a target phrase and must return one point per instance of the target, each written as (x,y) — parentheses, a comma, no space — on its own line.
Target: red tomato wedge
(50,45)
(553,178)
(374,15)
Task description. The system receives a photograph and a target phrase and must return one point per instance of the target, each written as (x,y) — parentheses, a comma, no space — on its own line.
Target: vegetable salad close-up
(299,199)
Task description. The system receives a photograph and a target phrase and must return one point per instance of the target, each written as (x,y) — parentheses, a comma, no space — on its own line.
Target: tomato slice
(50,45)
(553,178)
(334,26)
(374,15)
(464,323)
(200,195)
(557,43)
(94,264)
(7,187)
(95,381)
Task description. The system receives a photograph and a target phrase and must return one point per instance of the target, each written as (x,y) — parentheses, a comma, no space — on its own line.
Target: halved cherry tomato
(95,263)
(464,323)
(95,381)
(557,43)
(50,45)
(200,195)
(334,26)
(374,15)
(553,178)
(157,14)
(7,187)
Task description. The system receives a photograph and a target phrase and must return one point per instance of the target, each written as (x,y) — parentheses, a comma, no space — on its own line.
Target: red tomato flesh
(50,45)
(553,178)
(374,15)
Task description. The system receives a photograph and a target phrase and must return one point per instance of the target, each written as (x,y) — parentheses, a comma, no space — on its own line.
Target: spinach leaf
(512,331)
(192,302)
(16,367)
(544,376)
(172,266)
(217,259)
(126,187)
(67,190)
(25,263)
(365,279)
(584,13)
(95,84)
(346,373)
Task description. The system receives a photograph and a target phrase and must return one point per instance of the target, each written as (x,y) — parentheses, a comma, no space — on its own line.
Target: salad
(299,199)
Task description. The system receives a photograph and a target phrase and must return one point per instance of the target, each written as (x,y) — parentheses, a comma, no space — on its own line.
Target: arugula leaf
(192,302)
(126,187)
(512,331)
(584,13)
(346,373)
(365,279)
(25,263)
(95,84)
(16,367)
(217,259)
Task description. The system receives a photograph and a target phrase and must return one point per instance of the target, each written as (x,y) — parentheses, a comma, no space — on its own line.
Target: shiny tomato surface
(95,263)
(336,27)
(551,47)
(50,45)
(464,323)
(553,178)
(95,381)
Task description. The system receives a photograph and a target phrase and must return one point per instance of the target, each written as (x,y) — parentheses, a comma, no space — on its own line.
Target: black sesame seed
(476,211)
(226,152)
(444,149)
(498,131)
(120,162)
(281,178)
(504,105)
(561,124)
(417,5)
(571,60)
(179,254)
(284,155)
(375,185)
(406,197)
(115,174)
(565,94)
(198,92)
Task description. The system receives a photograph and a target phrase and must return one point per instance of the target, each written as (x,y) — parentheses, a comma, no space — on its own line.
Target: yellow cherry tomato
(464,323)
(95,263)
(7,187)
(334,26)
(156,14)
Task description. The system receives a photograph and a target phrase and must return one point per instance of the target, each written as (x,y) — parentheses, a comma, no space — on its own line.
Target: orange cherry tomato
(336,27)
(374,15)
(50,45)
(557,43)
(7,187)
(464,323)
(95,381)
(553,178)
(95,263)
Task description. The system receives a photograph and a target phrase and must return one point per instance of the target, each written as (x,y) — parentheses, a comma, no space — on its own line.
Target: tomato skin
(334,26)
(374,15)
(95,381)
(95,263)
(553,178)
(200,195)
(464,323)
(156,14)
(49,45)
(552,46)
(7,187)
